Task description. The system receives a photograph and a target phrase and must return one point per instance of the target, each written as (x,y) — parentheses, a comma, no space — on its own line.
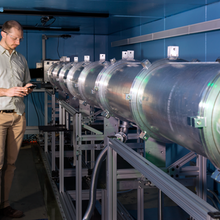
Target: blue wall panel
(204,46)
(213,11)
(153,27)
(190,46)
(213,45)
(186,18)
(34,48)
(101,46)
(78,45)
(152,50)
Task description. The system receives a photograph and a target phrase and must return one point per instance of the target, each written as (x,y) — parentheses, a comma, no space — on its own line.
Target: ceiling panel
(123,14)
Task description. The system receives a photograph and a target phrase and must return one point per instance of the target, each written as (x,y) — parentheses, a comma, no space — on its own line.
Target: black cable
(35,109)
(41,107)
(58,48)
(41,104)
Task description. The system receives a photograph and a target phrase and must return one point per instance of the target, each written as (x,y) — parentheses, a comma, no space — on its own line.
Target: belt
(6,111)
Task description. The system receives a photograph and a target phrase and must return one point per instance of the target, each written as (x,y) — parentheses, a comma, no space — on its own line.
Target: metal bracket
(102,57)
(197,121)
(128,97)
(144,135)
(106,114)
(113,61)
(86,58)
(146,63)
(124,55)
(96,89)
(214,215)
(121,136)
(78,152)
(130,54)
(145,184)
(216,175)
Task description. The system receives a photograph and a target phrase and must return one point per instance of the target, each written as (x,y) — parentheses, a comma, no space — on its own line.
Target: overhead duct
(54,13)
(25,27)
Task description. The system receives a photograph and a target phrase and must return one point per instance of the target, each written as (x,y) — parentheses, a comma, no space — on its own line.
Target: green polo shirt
(14,72)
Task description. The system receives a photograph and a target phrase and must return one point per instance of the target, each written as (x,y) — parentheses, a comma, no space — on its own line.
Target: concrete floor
(26,193)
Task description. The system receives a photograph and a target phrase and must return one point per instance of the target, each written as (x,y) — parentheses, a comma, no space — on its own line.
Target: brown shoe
(12,213)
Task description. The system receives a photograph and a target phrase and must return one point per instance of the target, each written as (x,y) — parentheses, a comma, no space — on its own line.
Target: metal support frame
(78,156)
(53,144)
(140,203)
(45,121)
(61,149)
(199,171)
(160,205)
(112,184)
(174,190)
(201,185)
(187,200)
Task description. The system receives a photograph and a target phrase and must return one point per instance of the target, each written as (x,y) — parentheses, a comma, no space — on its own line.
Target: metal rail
(187,200)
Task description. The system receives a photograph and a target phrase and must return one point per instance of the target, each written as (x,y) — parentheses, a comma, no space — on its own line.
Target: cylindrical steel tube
(73,78)
(173,97)
(63,76)
(114,88)
(170,100)
(87,81)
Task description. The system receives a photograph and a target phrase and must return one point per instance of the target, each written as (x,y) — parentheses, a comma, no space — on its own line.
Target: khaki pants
(12,128)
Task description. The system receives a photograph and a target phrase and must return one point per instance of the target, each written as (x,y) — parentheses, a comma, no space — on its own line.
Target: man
(14,83)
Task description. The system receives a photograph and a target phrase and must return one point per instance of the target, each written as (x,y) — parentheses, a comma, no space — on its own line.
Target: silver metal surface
(55,75)
(169,100)
(48,67)
(73,77)
(61,151)
(32,130)
(78,155)
(187,200)
(85,194)
(160,205)
(184,91)
(114,84)
(63,76)
(68,108)
(112,184)
(140,203)
(45,121)
(87,80)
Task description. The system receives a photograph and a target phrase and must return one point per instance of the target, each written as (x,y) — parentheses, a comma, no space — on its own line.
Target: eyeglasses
(14,38)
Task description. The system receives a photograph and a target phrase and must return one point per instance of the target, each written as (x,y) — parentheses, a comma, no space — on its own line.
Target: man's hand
(17,91)
(29,89)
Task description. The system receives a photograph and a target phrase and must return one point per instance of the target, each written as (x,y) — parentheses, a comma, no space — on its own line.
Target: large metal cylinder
(170,100)
(87,79)
(63,76)
(179,101)
(73,79)
(114,86)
